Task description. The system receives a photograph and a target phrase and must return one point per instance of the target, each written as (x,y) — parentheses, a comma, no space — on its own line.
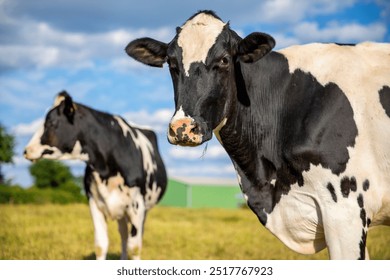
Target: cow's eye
(224,61)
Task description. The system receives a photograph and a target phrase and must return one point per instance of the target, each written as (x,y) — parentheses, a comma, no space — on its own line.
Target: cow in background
(124,177)
(307,127)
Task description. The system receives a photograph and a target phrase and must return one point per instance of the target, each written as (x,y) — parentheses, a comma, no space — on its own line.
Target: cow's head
(57,138)
(202,59)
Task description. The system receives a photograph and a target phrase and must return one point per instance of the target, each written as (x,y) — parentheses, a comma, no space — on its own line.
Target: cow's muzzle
(185,132)
(33,153)
(29,154)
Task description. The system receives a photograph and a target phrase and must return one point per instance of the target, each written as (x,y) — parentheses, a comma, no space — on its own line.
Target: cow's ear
(148,51)
(255,46)
(68,108)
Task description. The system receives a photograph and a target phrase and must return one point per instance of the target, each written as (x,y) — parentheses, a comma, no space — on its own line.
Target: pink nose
(184,132)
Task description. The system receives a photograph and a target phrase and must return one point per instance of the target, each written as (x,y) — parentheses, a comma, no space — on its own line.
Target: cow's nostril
(194,129)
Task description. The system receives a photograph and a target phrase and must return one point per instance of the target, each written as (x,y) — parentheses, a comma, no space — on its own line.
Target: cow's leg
(124,233)
(367,255)
(100,228)
(136,212)
(346,232)
(350,247)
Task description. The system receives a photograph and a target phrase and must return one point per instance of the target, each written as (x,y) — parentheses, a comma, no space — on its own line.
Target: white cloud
(157,120)
(293,11)
(283,41)
(321,7)
(203,170)
(212,151)
(334,31)
(27,129)
(34,91)
(38,45)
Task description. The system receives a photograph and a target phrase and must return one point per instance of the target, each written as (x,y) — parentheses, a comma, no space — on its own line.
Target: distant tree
(51,174)
(7,144)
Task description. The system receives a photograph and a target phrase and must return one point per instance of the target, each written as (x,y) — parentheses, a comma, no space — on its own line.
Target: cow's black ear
(255,46)
(148,51)
(68,106)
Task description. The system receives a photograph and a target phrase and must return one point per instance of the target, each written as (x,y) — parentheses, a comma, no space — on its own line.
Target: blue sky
(50,45)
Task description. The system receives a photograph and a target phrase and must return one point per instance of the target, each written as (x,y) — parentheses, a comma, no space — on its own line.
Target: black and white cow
(125,175)
(307,127)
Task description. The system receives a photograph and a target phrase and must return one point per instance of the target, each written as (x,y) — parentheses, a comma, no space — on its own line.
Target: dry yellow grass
(53,232)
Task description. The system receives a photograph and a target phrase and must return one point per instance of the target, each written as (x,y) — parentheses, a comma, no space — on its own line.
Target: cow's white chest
(319,208)
(112,197)
(296,220)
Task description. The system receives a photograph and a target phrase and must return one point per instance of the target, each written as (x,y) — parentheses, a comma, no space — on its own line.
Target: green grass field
(53,232)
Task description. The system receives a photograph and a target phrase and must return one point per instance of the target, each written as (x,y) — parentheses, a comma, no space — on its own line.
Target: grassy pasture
(56,232)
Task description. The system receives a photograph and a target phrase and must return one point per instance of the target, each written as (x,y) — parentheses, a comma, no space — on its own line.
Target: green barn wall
(183,194)
(175,195)
(216,196)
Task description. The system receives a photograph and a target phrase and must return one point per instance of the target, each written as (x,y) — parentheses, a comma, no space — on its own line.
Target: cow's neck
(251,132)
(96,141)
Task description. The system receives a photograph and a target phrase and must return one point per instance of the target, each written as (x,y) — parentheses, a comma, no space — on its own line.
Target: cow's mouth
(47,152)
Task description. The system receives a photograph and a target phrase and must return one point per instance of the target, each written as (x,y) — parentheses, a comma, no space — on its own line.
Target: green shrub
(68,193)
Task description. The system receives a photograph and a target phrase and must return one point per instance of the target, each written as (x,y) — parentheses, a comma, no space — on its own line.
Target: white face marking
(180,115)
(33,148)
(196,38)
